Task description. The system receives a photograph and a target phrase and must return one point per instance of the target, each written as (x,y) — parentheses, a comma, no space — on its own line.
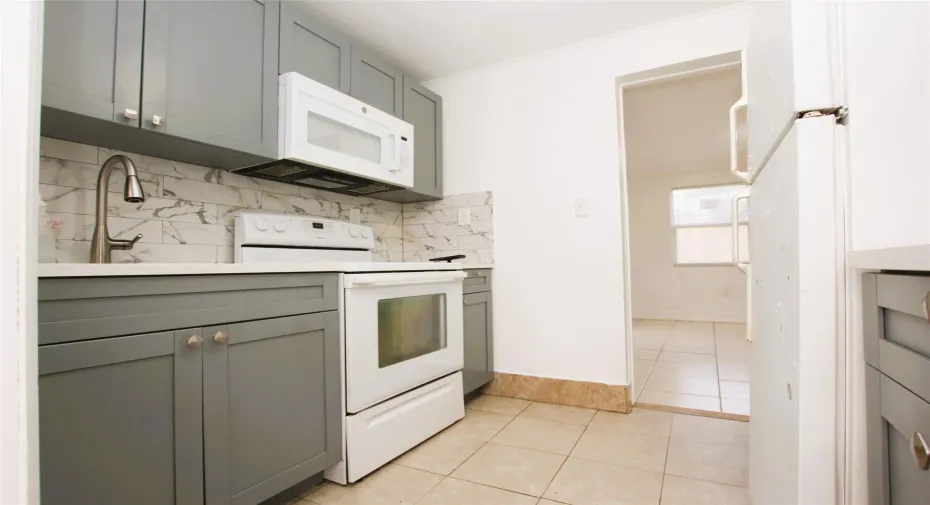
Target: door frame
(680,70)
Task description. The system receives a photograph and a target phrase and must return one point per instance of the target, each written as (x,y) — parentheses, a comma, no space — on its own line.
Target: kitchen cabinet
(478,331)
(271,415)
(210,73)
(92,58)
(232,398)
(376,83)
(120,420)
(312,49)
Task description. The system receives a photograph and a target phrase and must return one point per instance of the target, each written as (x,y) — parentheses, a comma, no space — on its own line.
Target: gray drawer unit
(74,309)
(477,281)
(896,328)
(898,427)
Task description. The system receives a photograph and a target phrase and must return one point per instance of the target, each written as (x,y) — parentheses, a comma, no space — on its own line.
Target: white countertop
(145,269)
(915,257)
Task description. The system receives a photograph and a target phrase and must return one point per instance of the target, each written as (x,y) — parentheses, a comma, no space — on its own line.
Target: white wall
(540,132)
(661,290)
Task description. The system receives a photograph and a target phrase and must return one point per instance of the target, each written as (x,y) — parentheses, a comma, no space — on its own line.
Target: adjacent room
(689,303)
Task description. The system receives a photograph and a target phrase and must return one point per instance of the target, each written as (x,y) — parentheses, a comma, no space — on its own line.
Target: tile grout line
(556,474)
(717,367)
(668,449)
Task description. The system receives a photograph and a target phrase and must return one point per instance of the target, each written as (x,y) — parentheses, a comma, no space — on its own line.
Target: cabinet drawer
(73,309)
(896,331)
(476,281)
(896,420)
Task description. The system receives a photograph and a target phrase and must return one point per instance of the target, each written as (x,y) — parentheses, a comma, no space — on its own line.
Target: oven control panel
(286,230)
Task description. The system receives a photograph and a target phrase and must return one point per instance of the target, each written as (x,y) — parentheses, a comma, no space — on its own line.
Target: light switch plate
(582,207)
(465,216)
(355,216)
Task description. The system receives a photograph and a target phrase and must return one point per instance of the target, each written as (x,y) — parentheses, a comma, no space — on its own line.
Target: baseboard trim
(692,412)
(593,395)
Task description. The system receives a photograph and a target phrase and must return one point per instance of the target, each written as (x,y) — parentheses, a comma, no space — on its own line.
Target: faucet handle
(125,245)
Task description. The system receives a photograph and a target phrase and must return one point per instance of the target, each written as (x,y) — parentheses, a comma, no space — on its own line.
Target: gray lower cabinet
(271,405)
(376,83)
(120,421)
(210,72)
(478,335)
(312,49)
(92,58)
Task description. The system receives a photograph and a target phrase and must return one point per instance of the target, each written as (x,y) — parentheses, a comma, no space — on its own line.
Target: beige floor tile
(687,357)
(649,339)
(624,448)
(511,468)
(699,344)
(731,406)
(657,324)
(498,404)
(675,383)
(641,371)
(646,354)
(696,370)
(460,492)
(546,436)
(733,358)
(724,464)
(392,484)
(730,330)
(650,422)
(711,431)
(582,482)
(441,454)
(559,413)
(682,400)
(734,390)
(479,425)
(693,328)
(733,372)
(683,491)
(549,502)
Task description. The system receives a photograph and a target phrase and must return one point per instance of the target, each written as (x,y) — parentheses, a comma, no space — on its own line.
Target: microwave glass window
(342,138)
(410,327)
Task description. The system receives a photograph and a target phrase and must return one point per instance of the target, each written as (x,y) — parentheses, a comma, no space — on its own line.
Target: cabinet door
(120,421)
(210,72)
(272,405)
(479,334)
(376,83)
(92,59)
(423,109)
(312,49)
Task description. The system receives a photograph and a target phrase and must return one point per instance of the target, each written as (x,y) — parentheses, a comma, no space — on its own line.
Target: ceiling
(681,124)
(438,38)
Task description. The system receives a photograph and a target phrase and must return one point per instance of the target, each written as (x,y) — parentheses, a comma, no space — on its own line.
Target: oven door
(322,127)
(403,330)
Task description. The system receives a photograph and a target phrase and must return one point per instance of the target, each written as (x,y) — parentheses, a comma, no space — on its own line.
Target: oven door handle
(378,281)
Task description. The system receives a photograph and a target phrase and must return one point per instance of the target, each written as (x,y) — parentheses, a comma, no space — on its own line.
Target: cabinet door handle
(920,450)
(158,120)
(131,114)
(195,341)
(925,304)
(220,337)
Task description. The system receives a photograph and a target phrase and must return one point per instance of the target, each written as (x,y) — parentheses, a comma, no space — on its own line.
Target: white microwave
(329,140)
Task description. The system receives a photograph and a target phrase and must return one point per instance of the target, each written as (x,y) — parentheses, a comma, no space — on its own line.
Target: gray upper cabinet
(272,405)
(92,60)
(313,50)
(120,421)
(210,72)
(376,83)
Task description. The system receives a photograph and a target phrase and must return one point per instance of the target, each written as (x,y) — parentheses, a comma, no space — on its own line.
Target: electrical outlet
(465,216)
(355,216)
(582,207)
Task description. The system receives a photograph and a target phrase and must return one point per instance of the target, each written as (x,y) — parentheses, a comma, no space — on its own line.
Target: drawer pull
(195,341)
(920,450)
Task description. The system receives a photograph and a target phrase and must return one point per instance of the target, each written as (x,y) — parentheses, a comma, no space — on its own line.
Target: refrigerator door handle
(734,140)
(734,227)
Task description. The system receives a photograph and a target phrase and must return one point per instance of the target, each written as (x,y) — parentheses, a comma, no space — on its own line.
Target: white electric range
(401,335)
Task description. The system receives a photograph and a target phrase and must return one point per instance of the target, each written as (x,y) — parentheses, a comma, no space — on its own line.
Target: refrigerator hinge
(841,112)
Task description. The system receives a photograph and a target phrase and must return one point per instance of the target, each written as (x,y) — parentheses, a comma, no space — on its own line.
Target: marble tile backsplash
(188,213)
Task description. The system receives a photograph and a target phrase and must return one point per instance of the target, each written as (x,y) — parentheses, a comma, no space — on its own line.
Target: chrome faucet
(102,244)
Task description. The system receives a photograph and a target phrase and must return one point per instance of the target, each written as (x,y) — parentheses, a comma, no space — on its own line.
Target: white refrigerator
(795,142)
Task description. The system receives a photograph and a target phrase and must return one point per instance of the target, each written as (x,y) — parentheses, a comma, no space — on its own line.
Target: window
(702,220)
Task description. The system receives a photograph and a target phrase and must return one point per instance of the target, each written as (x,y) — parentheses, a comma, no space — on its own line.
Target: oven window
(410,327)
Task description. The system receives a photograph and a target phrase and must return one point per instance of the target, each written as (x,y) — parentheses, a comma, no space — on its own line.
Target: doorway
(688,297)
